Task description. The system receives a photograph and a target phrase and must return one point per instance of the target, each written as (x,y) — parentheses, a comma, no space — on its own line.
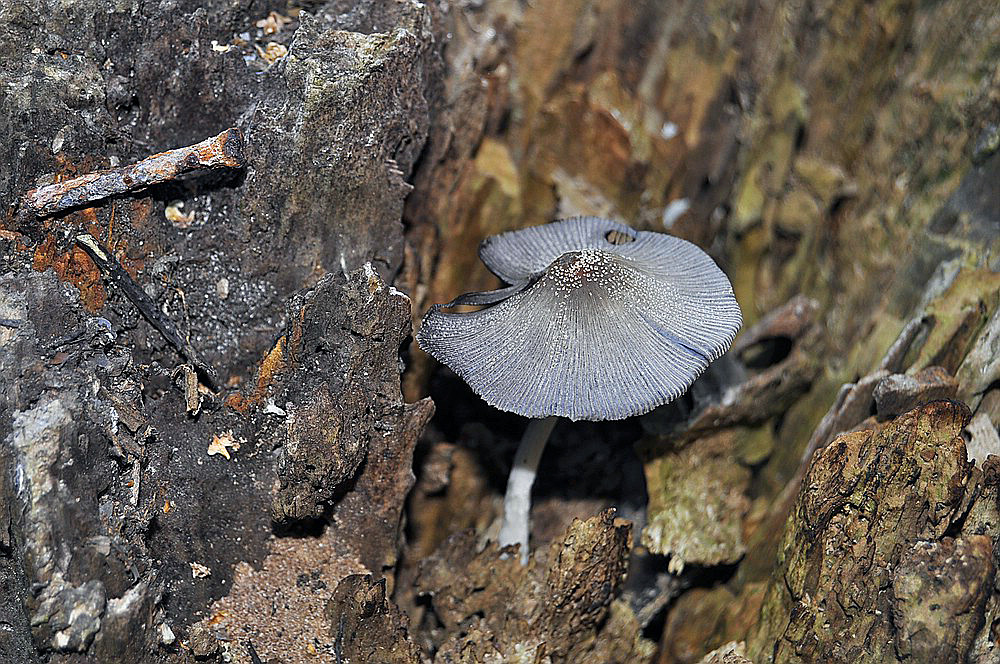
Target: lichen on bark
(873,507)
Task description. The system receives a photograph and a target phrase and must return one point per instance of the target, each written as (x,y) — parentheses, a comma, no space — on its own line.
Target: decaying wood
(821,494)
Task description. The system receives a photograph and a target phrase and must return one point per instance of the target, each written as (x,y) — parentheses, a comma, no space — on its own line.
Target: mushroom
(599,322)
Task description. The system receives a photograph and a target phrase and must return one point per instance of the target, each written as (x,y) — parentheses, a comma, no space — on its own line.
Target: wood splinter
(222,151)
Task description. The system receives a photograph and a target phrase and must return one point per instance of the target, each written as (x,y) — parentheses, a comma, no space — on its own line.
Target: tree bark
(242,483)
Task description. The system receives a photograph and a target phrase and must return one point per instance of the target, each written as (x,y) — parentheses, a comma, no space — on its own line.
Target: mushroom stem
(517,501)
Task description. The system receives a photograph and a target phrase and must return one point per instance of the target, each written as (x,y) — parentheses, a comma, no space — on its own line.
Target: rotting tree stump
(839,161)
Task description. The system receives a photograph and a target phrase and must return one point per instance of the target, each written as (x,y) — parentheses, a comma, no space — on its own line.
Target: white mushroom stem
(517,501)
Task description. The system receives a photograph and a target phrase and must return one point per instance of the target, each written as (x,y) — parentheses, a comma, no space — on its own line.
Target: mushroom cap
(601,321)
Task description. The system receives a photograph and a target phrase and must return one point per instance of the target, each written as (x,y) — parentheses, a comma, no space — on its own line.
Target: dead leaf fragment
(222,443)
(174,214)
(272,52)
(199,571)
(272,23)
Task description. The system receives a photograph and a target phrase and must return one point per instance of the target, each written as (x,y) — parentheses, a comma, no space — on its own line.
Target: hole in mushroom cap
(617,237)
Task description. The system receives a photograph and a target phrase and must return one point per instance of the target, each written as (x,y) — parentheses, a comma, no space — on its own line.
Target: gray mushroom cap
(600,322)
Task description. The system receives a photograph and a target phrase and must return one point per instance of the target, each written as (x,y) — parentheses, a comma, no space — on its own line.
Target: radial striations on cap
(602,322)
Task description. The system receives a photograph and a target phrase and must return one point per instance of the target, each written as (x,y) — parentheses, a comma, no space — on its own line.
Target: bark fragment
(366,627)
(939,594)
(865,496)
(327,399)
(697,501)
(498,610)
(731,653)
(898,393)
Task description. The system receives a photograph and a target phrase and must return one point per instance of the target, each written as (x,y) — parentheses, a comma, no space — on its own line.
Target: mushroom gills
(596,333)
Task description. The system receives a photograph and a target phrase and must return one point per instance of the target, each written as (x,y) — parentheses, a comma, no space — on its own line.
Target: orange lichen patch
(111,226)
(297,335)
(238,402)
(67,168)
(10,227)
(140,214)
(75,267)
(88,221)
(118,242)
(130,265)
(273,362)
(217,617)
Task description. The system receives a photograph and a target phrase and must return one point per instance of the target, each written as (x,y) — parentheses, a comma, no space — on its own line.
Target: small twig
(189,381)
(111,225)
(222,151)
(893,359)
(116,274)
(254,657)
(10,322)
(136,479)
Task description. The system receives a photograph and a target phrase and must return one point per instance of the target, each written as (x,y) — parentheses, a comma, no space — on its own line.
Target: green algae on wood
(696,505)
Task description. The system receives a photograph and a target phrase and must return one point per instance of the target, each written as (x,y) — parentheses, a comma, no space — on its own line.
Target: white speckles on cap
(602,321)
